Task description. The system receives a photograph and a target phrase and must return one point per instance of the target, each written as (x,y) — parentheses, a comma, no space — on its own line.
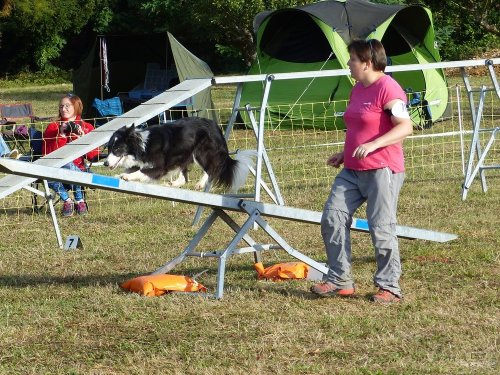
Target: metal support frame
(258,129)
(476,149)
(276,195)
(260,134)
(241,233)
(262,157)
(50,202)
(220,206)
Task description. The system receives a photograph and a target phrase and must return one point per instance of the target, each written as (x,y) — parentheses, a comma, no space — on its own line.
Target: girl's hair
(369,50)
(76,101)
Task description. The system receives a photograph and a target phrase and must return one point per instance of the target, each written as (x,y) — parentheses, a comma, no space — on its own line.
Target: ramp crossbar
(219,205)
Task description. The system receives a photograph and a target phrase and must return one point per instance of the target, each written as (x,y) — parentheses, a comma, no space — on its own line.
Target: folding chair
(36,144)
(16,119)
(106,109)
(419,110)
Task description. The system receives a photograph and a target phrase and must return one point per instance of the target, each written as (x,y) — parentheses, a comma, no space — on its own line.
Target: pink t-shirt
(366,120)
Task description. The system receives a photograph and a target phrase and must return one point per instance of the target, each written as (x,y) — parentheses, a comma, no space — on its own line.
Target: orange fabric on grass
(282,271)
(157,285)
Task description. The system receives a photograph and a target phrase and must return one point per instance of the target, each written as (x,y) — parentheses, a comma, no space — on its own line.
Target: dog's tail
(236,171)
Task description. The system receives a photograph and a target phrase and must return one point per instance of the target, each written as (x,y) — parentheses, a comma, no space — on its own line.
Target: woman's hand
(71,129)
(363,150)
(80,131)
(62,129)
(335,160)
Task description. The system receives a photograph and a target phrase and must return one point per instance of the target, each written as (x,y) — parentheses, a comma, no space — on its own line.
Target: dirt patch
(479,70)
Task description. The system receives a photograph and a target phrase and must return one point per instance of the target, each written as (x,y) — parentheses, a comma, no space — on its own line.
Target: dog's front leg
(136,176)
(127,171)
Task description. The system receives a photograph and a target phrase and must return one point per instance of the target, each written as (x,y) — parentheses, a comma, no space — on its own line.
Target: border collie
(160,150)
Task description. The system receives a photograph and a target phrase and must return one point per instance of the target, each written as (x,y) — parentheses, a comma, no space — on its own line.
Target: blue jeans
(60,189)
(4,148)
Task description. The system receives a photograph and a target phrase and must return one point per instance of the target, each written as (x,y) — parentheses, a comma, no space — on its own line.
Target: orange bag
(282,271)
(157,285)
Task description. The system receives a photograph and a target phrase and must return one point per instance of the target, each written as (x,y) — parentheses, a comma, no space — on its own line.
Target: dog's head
(125,148)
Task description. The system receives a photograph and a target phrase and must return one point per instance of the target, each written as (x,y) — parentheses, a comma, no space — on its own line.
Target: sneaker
(384,296)
(68,208)
(81,208)
(327,289)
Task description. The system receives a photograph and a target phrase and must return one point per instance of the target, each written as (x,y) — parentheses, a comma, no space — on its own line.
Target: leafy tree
(227,25)
(45,35)
(34,33)
(465,28)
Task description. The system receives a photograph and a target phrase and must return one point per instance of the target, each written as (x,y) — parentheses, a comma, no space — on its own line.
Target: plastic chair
(15,134)
(107,109)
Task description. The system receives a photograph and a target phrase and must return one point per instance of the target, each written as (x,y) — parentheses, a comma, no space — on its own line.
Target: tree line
(55,35)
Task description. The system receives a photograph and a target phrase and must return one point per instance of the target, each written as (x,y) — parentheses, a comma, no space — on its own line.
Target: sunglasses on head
(372,52)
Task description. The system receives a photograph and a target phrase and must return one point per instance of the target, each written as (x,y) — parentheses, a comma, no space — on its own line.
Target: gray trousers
(380,189)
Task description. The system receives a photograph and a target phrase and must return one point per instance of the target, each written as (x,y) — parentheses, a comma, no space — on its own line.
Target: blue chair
(107,109)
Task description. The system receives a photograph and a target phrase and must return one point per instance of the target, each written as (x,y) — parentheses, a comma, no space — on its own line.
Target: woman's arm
(51,137)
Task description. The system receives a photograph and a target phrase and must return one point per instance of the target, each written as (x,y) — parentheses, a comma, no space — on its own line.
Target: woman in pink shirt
(377,122)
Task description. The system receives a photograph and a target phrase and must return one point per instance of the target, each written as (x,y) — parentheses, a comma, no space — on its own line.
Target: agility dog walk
(158,151)
(219,205)
(98,137)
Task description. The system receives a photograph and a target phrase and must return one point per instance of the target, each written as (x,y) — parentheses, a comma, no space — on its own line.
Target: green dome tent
(315,37)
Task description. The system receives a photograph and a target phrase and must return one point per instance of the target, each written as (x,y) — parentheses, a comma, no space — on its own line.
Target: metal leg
(228,252)
(190,247)
(50,201)
(284,245)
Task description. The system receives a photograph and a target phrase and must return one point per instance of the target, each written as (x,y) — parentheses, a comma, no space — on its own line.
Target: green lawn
(63,312)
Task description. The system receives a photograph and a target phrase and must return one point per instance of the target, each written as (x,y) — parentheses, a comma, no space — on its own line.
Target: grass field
(63,312)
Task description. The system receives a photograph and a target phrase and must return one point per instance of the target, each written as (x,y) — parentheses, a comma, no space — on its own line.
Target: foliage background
(54,35)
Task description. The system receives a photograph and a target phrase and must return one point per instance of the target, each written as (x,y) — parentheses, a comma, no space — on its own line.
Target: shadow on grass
(301,293)
(22,281)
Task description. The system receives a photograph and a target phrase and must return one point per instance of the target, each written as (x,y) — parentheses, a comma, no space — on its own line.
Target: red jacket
(54,139)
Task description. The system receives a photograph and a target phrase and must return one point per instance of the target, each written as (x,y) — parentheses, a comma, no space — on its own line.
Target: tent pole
(100,64)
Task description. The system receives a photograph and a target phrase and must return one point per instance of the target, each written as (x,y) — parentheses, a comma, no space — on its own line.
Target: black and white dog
(159,150)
